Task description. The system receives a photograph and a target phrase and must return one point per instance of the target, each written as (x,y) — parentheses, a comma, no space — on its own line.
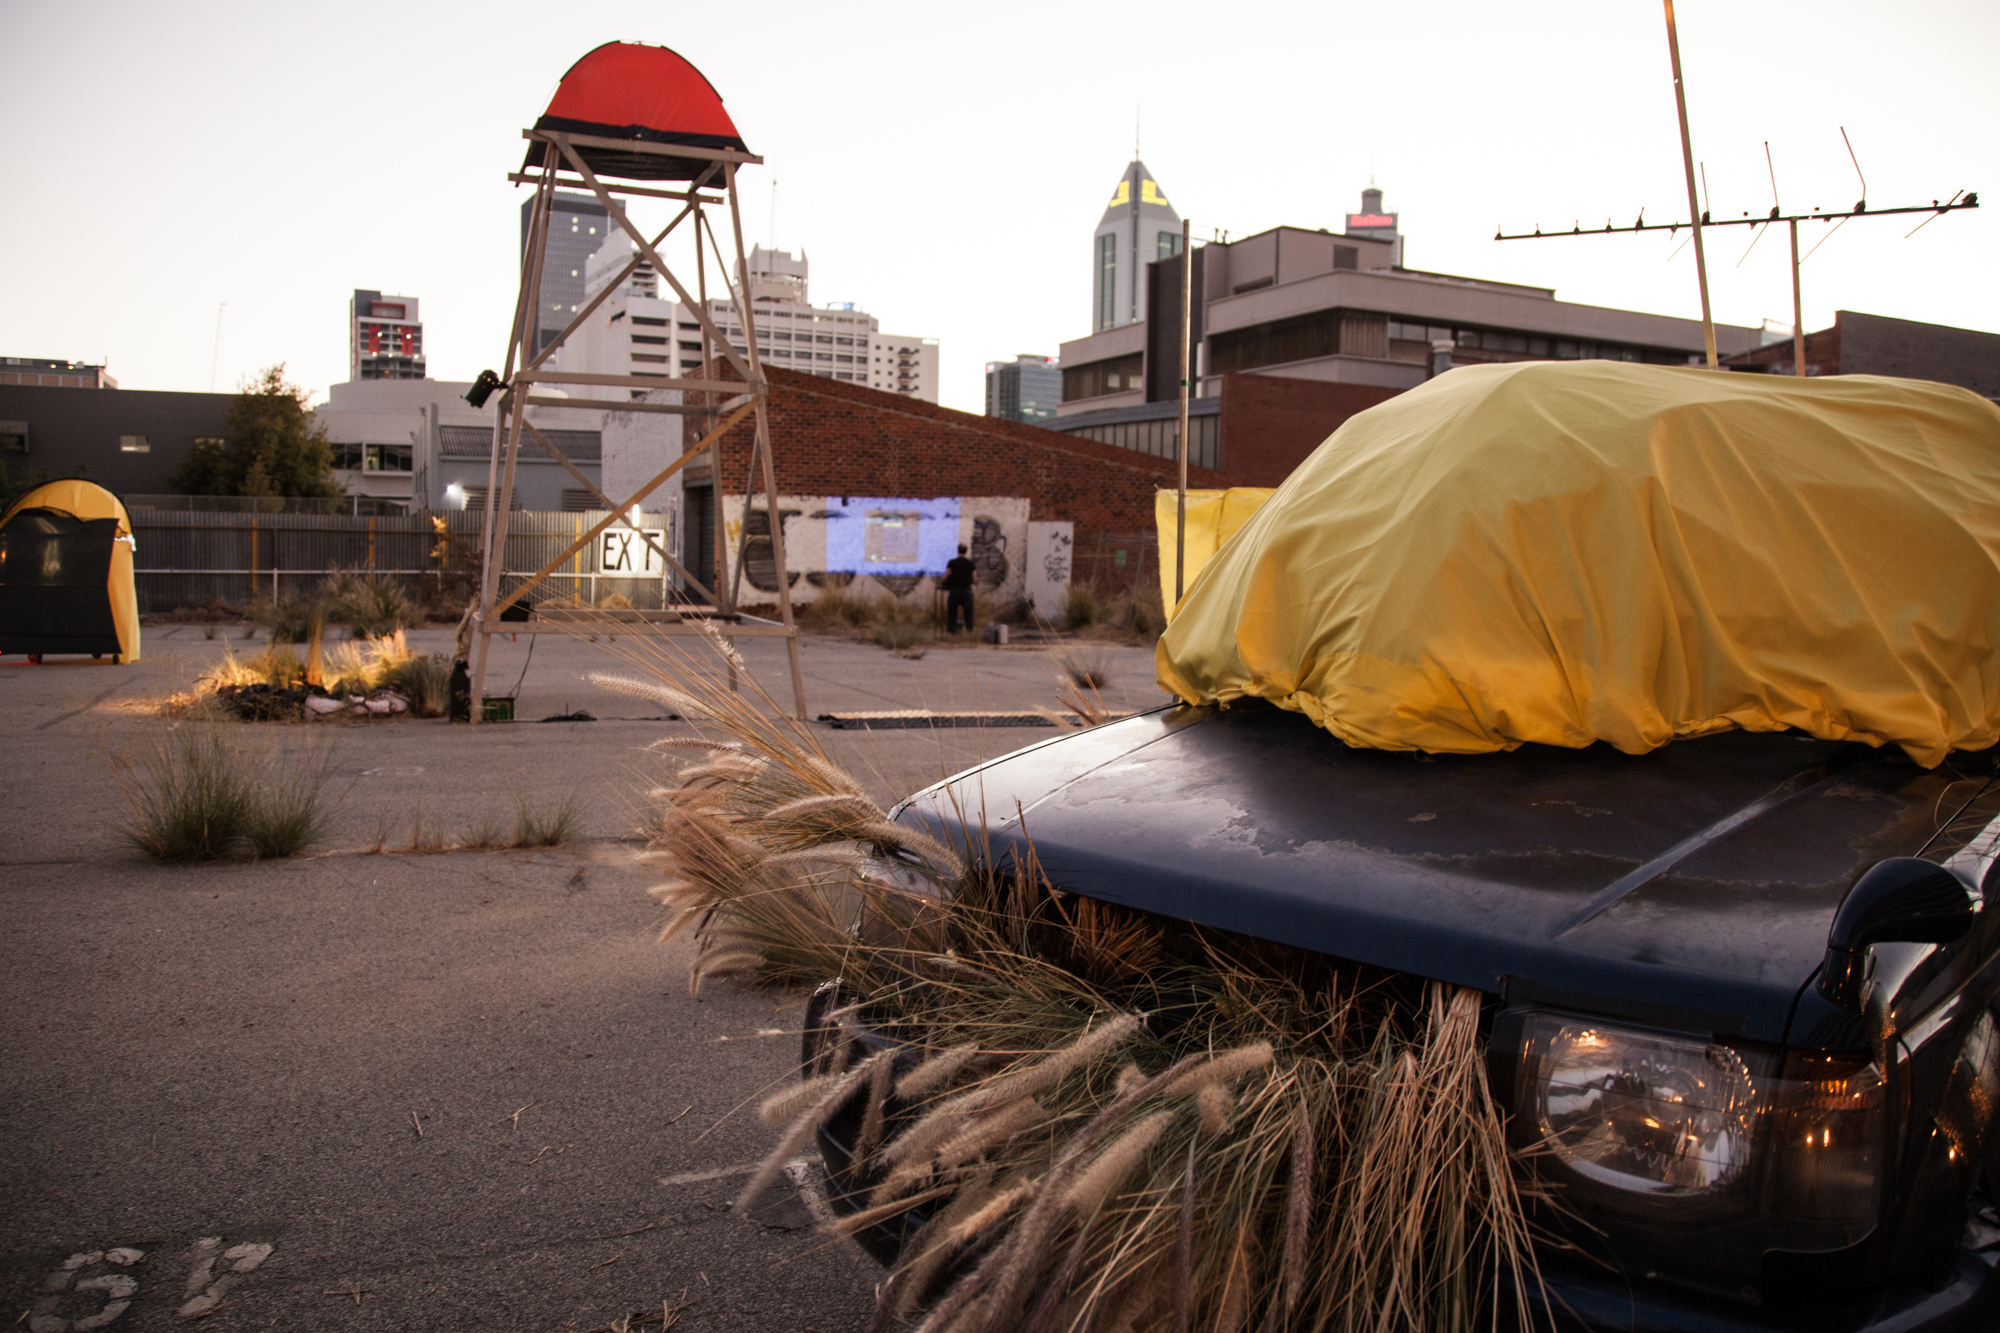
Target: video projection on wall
(890,535)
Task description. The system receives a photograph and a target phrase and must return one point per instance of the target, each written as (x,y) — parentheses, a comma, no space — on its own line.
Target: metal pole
(1798,323)
(1180,498)
(1694,203)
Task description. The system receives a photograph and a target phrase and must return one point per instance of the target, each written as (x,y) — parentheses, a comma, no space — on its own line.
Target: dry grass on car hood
(1101,1120)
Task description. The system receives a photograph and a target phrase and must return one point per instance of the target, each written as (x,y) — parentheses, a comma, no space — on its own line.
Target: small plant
(1082,609)
(484,837)
(195,796)
(902,625)
(288,814)
(425,682)
(369,606)
(838,607)
(189,795)
(1087,667)
(208,632)
(287,618)
(546,826)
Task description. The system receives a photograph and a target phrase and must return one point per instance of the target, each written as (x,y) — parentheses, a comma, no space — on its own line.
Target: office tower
(385,339)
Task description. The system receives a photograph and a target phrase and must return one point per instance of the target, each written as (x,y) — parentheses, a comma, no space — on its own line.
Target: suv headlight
(1645,1113)
(1694,1157)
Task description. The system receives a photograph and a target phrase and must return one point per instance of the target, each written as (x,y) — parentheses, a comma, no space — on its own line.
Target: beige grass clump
(1097,1120)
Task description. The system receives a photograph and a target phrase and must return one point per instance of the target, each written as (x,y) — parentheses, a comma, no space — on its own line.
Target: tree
(273,447)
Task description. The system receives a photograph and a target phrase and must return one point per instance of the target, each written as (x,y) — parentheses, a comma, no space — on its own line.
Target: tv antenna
(1703,218)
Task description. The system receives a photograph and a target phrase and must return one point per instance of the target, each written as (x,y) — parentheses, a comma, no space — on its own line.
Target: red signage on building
(1364,221)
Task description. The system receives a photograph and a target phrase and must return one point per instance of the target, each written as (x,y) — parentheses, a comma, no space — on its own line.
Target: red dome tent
(647,94)
(627,112)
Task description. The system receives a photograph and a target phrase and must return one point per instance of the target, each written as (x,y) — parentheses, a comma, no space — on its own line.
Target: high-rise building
(1028,388)
(1376,225)
(385,339)
(636,332)
(1139,226)
(577,228)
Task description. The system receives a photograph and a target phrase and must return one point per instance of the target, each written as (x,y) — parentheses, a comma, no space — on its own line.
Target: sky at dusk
(944,166)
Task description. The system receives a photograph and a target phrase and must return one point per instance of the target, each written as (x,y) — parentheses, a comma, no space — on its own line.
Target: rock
(322,706)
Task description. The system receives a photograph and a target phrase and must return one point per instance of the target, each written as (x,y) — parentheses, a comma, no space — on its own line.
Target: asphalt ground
(447,1089)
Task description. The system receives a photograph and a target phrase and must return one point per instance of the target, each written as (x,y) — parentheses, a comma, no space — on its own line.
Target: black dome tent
(66,574)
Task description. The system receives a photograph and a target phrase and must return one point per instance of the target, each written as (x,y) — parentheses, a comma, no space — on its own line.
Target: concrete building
(637,332)
(1340,309)
(1859,344)
(385,337)
(129,442)
(54,374)
(1028,388)
(417,444)
(1138,228)
(577,227)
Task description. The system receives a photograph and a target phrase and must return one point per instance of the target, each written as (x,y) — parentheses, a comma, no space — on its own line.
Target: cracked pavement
(445,1090)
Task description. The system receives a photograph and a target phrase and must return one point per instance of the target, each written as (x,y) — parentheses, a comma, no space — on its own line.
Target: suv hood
(1692,886)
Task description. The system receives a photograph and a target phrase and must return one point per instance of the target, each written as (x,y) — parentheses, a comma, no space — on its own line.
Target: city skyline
(1549,114)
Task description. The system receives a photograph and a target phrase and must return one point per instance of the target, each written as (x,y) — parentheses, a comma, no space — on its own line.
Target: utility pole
(1694,206)
(1180,503)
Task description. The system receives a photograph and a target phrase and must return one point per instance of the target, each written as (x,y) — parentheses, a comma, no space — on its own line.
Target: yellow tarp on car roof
(1212,519)
(1569,553)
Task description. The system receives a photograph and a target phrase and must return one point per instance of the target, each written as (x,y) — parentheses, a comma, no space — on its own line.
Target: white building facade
(637,332)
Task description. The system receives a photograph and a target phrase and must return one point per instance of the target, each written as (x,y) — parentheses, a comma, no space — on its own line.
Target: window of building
(691,347)
(1107,280)
(134,444)
(1300,338)
(651,341)
(1101,377)
(1169,245)
(387,458)
(579,501)
(347,456)
(825,338)
(13,436)
(647,319)
(1347,257)
(648,357)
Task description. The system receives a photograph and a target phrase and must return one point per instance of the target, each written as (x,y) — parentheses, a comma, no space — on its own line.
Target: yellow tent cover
(88,500)
(1212,519)
(1566,553)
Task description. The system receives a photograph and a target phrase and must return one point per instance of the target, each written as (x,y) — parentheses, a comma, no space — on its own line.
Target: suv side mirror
(1901,899)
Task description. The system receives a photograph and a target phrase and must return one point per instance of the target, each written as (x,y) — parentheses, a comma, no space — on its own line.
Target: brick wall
(831,438)
(1270,423)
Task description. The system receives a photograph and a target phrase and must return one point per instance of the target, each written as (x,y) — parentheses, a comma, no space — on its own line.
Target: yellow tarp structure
(1573,552)
(87,500)
(1212,519)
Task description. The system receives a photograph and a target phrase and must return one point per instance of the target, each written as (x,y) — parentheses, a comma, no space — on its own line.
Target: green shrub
(1082,608)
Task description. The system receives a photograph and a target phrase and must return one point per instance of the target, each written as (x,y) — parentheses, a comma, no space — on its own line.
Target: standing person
(957,587)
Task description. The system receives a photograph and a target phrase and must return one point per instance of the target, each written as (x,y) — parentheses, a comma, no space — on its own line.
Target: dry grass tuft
(197,795)
(1099,1119)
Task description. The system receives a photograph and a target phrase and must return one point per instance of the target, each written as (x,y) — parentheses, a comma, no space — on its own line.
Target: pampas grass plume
(935,1072)
(1221,1069)
(1213,1105)
(1102,1178)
